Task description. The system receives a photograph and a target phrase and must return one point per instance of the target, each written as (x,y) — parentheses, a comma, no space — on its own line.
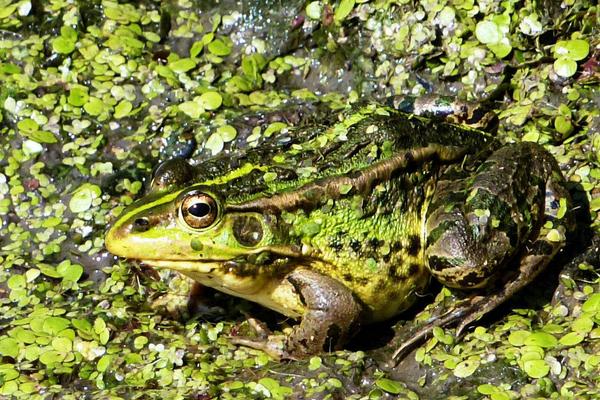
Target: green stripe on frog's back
(360,182)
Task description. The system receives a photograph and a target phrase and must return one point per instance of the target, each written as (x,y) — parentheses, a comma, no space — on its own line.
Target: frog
(345,222)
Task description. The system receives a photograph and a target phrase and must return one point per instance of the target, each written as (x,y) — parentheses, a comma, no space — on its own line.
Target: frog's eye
(199,210)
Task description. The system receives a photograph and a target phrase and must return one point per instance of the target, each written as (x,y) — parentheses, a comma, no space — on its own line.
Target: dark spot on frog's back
(355,245)
(413,269)
(414,245)
(396,246)
(336,244)
(409,157)
(395,275)
(375,243)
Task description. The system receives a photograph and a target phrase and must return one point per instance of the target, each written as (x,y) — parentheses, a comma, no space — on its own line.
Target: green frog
(343,222)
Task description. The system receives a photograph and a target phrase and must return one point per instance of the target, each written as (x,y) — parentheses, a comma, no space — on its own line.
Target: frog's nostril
(141,225)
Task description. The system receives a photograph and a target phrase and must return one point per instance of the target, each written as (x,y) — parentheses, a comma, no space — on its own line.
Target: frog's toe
(273,345)
(457,313)
(259,328)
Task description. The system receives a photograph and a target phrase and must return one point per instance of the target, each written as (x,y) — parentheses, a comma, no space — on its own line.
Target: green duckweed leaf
(63,45)
(536,368)
(196,48)
(82,325)
(466,368)
(140,342)
(315,363)
(211,100)
(389,385)
(487,32)
(541,339)
(7,10)
(27,126)
(227,133)
(214,143)
(183,65)
(123,109)
(94,106)
(572,338)
(219,48)
(70,272)
(501,49)
(191,109)
(62,344)
(53,325)
(592,304)
(517,338)
(16,281)
(83,197)
(576,49)
(23,335)
(313,10)
(563,125)
(50,357)
(343,10)
(104,362)
(273,128)
(9,347)
(565,67)
(78,96)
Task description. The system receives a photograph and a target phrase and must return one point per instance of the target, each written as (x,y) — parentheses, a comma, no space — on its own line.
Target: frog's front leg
(495,230)
(332,315)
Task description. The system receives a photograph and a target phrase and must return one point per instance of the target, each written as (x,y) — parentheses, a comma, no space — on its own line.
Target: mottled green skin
(353,219)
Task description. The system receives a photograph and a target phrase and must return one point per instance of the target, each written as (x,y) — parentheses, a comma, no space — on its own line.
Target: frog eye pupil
(199,210)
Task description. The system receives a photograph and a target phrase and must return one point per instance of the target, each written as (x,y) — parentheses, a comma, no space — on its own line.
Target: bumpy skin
(345,222)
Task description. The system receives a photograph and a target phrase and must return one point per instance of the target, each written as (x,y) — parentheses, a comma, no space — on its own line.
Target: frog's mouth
(183,266)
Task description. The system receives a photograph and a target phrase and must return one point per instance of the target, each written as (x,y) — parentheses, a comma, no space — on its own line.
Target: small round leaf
(211,100)
(487,32)
(565,67)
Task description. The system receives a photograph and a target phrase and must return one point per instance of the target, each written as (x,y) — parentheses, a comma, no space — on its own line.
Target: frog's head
(192,228)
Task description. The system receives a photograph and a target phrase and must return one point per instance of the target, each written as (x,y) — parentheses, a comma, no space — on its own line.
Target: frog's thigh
(331,315)
(476,225)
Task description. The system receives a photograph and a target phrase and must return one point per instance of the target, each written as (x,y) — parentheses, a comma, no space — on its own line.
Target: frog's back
(300,155)
(353,196)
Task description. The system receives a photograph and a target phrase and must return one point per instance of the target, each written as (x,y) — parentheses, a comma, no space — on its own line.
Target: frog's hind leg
(476,233)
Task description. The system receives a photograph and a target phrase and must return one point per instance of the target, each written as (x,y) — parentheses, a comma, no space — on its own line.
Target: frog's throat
(362,182)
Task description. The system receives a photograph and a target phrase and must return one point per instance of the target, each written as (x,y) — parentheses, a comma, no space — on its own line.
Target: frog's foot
(538,255)
(330,318)
(458,312)
(175,306)
(187,298)
(175,303)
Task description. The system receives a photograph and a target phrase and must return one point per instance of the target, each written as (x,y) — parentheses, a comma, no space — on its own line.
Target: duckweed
(94,91)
